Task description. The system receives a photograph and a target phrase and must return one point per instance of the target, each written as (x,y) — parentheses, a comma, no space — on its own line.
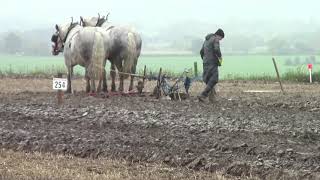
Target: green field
(233,65)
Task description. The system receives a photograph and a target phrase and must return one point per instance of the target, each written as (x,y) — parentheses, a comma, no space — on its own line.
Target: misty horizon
(250,26)
(152,15)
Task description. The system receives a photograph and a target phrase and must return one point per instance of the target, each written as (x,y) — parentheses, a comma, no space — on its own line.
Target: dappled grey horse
(126,48)
(85,47)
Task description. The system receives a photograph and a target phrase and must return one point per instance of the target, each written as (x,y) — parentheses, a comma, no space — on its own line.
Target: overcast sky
(28,14)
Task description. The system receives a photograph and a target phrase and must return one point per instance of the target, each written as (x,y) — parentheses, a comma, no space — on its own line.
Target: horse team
(91,43)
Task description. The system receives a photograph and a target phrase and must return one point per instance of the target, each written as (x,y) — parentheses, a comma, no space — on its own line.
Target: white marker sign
(60,84)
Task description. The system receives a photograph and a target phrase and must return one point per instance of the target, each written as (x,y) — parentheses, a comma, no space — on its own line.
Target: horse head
(60,36)
(94,21)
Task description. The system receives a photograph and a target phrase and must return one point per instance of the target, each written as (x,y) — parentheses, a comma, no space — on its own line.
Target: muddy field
(268,135)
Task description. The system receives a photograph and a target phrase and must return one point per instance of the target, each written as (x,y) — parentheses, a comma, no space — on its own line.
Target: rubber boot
(212,95)
(205,93)
(201,98)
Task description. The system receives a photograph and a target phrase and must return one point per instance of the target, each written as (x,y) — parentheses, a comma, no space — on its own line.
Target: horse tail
(138,52)
(98,56)
(139,45)
(129,60)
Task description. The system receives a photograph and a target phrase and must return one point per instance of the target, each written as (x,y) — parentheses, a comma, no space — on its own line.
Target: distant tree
(196,45)
(36,48)
(12,43)
(313,58)
(307,60)
(296,61)
(279,46)
(303,47)
(241,43)
(2,45)
(310,60)
(288,62)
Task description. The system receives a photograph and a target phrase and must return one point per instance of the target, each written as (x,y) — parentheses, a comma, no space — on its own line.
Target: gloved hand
(220,62)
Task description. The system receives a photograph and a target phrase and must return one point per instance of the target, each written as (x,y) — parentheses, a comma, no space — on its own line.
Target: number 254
(59,84)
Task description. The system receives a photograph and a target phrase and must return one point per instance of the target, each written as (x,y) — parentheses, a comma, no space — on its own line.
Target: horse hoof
(92,94)
(104,95)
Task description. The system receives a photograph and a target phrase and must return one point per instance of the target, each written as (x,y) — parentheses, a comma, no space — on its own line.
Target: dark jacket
(210,51)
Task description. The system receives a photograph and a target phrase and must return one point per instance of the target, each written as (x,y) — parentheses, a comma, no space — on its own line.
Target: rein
(110,27)
(73,25)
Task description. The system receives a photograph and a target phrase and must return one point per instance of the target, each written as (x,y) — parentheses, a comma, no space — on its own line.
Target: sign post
(60,84)
(195,69)
(310,72)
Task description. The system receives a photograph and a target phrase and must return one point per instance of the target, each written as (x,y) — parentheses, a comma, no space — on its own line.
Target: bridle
(72,25)
(63,40)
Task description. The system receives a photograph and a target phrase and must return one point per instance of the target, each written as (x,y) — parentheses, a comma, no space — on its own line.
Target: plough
(173,91)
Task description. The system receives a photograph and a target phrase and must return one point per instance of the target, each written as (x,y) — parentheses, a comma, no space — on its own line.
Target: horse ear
(81,20)
(107,17)
(57,27)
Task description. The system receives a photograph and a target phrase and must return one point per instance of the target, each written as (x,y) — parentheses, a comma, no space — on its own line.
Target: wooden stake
(144,74)
(195,69)
(179,94)
(275,66)
(60,92)
(159,83)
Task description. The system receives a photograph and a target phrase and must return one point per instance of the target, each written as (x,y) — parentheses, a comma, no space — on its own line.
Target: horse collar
(72,37)
(69,30)
(110,27)
(100,22)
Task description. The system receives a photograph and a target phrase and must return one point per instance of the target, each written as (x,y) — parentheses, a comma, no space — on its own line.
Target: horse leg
(93,85)
(131,83)
(120,68)
(92,76)
(132,77)
(87,81)
(113,77)
(104,82)
(101,82)
(133,71)
(102,78)
(99,86)
(121,83)
(70,71)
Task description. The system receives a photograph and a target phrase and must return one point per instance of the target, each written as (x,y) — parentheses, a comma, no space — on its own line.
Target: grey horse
(126,48)
(85,47)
